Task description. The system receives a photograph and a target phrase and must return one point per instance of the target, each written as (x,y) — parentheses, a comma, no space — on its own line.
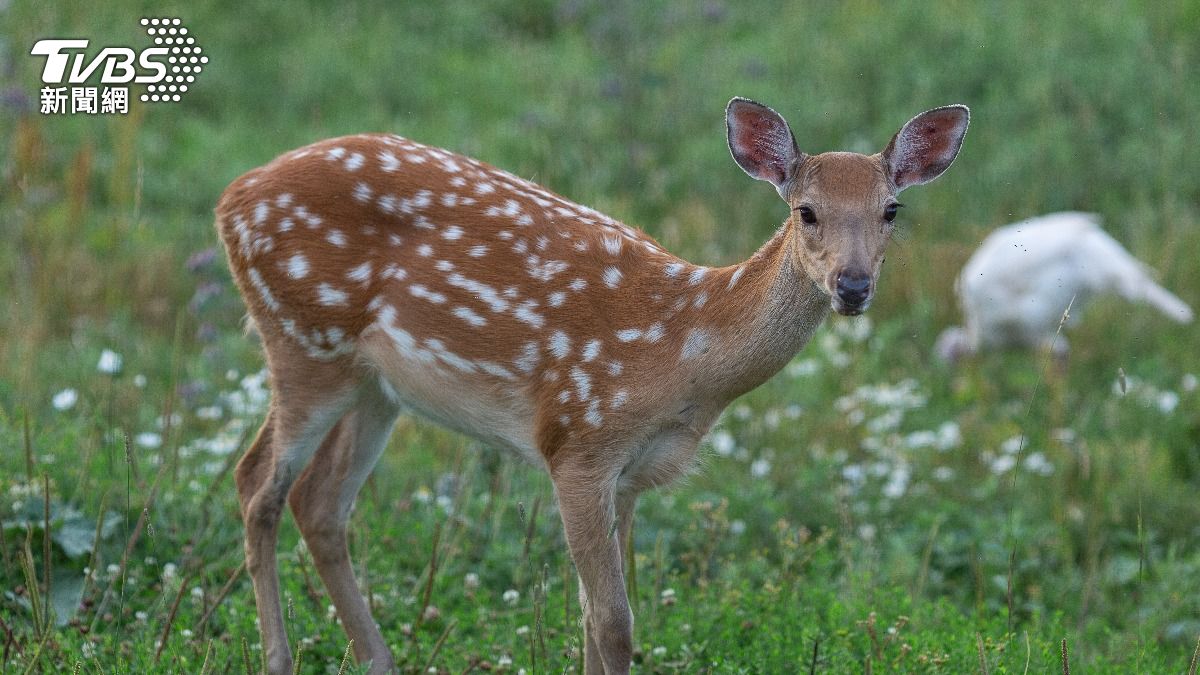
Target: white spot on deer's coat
(560,344)
(593,415)
(484,187)
(387,203)
(495,369)
(655,332)
(619,399)
(420,291)
(452,233)
(737,274)
(528,360)
(612,277)
(388,161)
(261,210)
(696,343)
(284,200)
(564,396)
(524,312)
(360,273)
(615,368)
(583,383)
(335,153)
(478,251)
(449,199)
(297,266)
(362,193)
(629,334)
(578,285)
(591,350)
(395,240)
(286,225)
(696,275)
(444,266)
(393,271)
(330,296)
(425,250)
(354,162)
(336,238)
(700,300)
(449,357)
(672,270)
(268,299)
(556,299)
(469,315)
(487,294)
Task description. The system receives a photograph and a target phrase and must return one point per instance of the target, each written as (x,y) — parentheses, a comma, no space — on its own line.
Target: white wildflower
(1002,464)
(209,412)
(471,581)
(1013,445)
(522,630)
(422,495)
(1167,401)
(949,436)
(760,468)
(854,474)
(65,399)
(943,474)
(110,362)
(1188,383)
(659,652)
(139,381)
(804,368)
(897,483)
(1037,463)
(722,441)
(921,439)
(737,527)
(148,439)
(511,597)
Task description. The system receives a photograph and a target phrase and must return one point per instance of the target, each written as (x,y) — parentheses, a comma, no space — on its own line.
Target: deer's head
(843,203)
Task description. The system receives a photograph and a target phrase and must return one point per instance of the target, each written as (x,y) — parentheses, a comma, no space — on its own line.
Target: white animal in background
(1015,288)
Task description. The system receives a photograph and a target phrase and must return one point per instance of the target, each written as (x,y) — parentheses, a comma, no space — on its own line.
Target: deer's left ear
(761,142)
(925,147)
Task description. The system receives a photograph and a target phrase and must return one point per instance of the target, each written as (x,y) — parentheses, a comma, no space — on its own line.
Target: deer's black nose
(853,288)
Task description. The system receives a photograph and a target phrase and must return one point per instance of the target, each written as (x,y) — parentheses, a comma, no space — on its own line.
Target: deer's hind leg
(306,404)
(322,501)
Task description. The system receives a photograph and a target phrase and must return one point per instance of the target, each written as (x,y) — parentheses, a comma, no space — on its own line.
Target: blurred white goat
(1014,289)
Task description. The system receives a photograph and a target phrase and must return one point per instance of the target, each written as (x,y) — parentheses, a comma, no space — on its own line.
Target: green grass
(999,509)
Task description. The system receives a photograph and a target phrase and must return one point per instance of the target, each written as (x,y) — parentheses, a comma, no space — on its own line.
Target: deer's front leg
(588,505)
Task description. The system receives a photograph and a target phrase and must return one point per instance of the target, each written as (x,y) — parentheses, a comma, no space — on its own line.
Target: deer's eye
(807,215)
(889,212)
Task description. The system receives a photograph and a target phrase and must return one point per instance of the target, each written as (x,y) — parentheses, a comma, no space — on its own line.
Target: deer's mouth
(848,309)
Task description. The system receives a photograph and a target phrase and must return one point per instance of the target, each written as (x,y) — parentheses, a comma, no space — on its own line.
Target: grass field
(868,510)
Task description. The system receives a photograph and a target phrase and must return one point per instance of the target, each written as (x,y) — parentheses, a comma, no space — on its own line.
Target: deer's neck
(754,323)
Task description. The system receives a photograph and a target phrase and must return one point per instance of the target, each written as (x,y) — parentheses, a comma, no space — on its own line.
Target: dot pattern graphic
(185,58)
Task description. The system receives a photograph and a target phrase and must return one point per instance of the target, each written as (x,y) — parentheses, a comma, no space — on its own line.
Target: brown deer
(385,275)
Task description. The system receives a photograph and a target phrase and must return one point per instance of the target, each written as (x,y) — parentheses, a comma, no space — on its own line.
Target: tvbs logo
(167,69)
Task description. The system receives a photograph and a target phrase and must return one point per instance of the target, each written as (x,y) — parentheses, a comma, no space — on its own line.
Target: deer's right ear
(761,142)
